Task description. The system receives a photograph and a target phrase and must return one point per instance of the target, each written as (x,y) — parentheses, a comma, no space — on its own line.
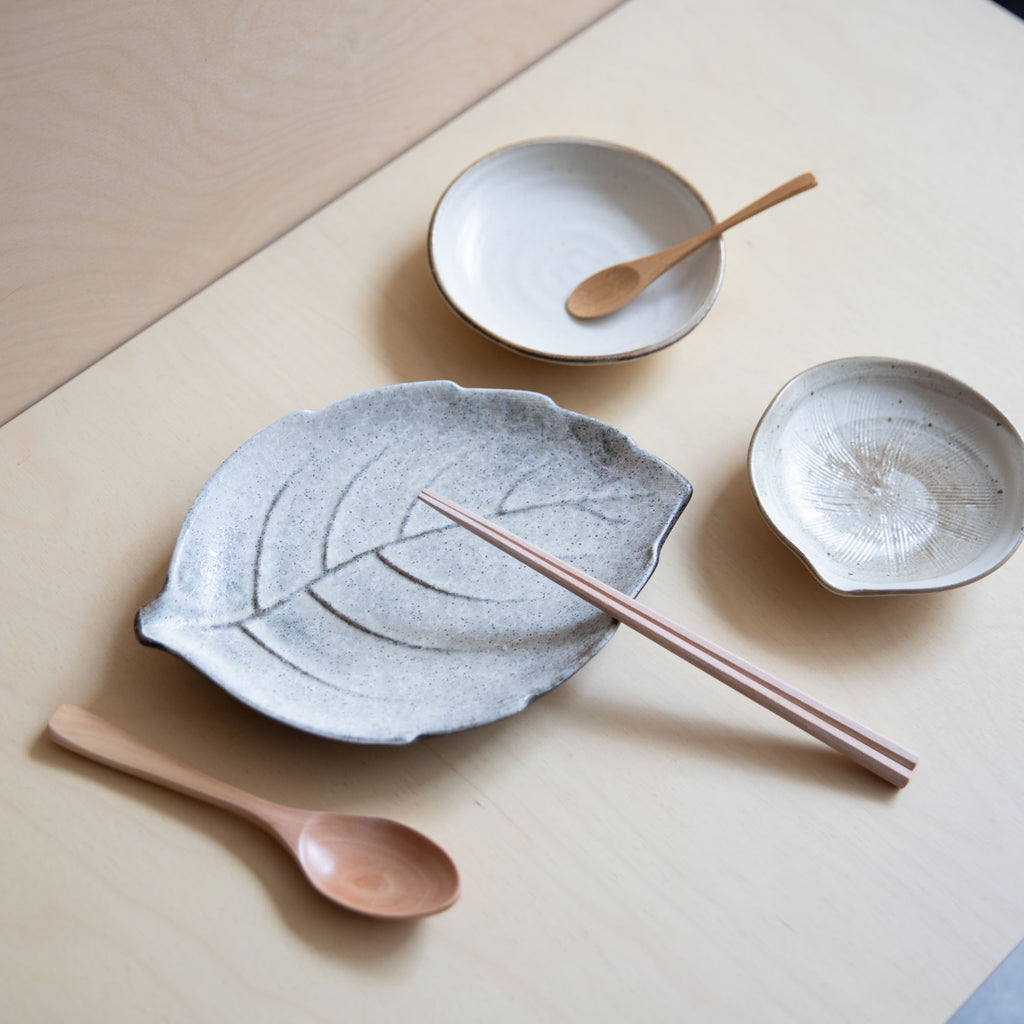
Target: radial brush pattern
(886,476)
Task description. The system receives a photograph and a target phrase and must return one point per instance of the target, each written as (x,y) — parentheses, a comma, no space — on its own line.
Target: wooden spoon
(610,289)
(370,865)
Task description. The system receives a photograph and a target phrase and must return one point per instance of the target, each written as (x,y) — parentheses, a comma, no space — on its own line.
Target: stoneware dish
(889,477)
(517,231)
(310,582)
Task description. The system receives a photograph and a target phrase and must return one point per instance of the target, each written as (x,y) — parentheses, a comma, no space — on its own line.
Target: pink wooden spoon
(370,865)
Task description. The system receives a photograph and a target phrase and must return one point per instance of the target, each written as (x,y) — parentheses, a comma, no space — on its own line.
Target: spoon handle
(93,737)
(659,262)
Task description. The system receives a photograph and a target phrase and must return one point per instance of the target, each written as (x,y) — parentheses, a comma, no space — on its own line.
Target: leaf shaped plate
(311,583)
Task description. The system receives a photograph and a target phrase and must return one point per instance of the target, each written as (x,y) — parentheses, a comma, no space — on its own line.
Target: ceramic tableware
(889,477)
(608,290)
(310,582)
(886,759)
(519,229)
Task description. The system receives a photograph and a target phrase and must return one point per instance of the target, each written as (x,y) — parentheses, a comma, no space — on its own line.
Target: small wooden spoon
(370,865)
(610,289)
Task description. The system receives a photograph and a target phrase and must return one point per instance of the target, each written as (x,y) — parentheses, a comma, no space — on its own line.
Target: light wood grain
(637,844)
(148,148)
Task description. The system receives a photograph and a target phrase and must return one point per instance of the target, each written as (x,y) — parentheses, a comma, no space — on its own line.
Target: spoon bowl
(376,866)
(612,288)
(373,866)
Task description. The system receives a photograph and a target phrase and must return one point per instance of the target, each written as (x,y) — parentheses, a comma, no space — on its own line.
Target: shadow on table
(758,584)
(775,598)
(798,759)
(424,340)
(177,710)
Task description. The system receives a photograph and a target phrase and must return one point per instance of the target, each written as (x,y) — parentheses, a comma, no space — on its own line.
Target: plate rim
(161,609)
(553,357)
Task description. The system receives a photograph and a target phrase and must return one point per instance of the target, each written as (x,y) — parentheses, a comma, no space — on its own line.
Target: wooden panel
(148,147)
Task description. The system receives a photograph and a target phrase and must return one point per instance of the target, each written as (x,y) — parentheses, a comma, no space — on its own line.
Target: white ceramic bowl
(515,233)
(889,477)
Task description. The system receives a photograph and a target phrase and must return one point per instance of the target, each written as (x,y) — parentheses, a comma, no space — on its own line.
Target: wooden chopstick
(870,749)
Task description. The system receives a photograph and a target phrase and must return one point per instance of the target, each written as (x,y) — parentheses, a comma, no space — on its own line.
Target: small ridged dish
(518,230)
(889,477)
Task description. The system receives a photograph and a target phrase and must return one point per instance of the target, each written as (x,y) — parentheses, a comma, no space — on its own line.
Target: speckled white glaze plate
(889,477)
(517,231)
(310,582)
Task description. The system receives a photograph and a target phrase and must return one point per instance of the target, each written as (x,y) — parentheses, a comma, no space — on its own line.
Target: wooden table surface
(146,149)
(641,843)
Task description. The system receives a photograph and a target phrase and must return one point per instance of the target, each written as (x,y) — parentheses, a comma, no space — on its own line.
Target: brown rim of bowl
(621,357)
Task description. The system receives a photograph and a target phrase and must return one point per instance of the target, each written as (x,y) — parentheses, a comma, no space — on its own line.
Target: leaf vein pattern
(309,675)
(345,491)
(441,590)
(365,629)
(257,561)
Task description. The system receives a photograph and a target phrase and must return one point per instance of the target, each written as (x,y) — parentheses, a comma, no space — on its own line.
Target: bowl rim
(832,583)
(553,357)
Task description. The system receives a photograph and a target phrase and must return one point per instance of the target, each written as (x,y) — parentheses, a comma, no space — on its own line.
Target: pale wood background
(641,844)
(147,147)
